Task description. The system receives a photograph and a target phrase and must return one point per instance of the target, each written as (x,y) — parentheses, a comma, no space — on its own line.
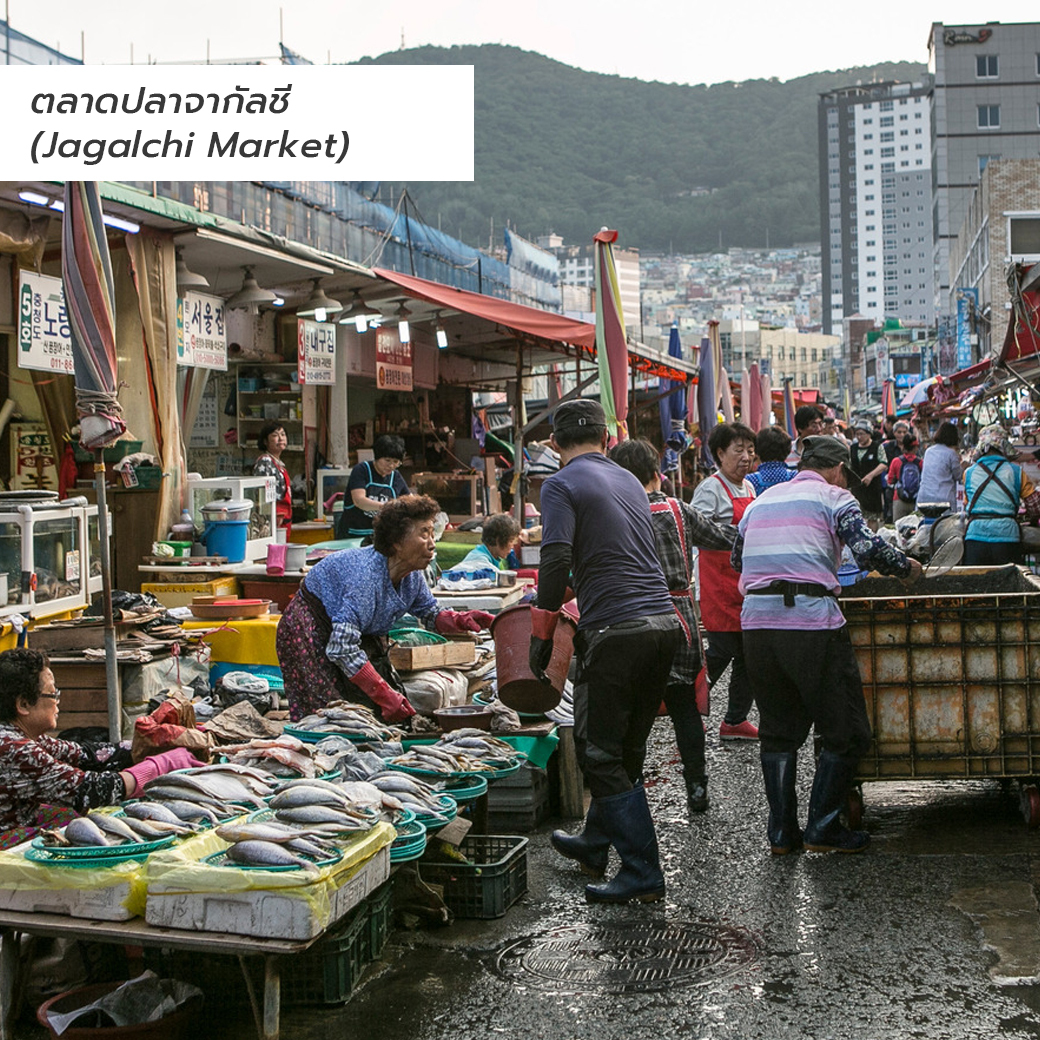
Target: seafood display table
(241,641)
(136,932)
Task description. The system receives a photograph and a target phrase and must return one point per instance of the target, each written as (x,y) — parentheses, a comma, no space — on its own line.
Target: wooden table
(136,932)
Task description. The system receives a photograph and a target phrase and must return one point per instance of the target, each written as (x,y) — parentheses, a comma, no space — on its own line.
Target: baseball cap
(572,415)
(827,452)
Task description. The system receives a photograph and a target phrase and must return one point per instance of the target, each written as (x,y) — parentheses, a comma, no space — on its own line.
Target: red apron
(283,505)
(720,598)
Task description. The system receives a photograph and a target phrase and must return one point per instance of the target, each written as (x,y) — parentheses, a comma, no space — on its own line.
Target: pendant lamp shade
(318,305)
(188,279)
(250,296)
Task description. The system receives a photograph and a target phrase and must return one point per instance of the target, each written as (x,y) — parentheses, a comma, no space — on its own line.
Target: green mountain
(670,166)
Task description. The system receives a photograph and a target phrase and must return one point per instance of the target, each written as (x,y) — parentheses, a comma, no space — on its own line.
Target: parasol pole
(518,437)
(115,699)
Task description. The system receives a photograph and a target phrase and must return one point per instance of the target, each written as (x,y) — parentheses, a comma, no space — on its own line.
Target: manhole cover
(625,958)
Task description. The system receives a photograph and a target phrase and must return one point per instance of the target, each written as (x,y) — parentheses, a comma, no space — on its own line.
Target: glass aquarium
(258,490)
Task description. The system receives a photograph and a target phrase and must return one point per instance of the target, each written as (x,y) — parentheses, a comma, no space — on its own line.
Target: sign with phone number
(44,333)
(393,361)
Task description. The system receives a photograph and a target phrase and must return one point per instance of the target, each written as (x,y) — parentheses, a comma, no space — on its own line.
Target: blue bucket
(226,538)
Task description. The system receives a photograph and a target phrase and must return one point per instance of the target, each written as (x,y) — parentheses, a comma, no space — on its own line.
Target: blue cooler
(226,528)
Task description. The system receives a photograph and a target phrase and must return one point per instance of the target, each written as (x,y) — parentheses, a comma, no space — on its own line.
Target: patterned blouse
(51,771)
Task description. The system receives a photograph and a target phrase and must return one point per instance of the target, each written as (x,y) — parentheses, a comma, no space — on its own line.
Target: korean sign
(393,361)
(201,331)
(967,305)
(44,335)
(316,348)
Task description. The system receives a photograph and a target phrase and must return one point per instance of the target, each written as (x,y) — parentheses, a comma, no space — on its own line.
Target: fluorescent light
(122,225)
(404,332)
(58,204)
(278,302)
(320,313)
(33,197)
(442,338)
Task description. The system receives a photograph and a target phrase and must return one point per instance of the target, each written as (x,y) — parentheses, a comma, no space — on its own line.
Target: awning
(531,326)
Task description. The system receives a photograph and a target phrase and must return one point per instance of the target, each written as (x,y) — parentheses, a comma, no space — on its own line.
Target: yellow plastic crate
(181,594)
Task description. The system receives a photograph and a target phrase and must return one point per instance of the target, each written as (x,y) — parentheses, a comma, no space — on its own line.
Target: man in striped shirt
(788,550)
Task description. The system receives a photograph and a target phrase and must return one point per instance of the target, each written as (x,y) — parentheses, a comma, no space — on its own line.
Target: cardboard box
(439,655)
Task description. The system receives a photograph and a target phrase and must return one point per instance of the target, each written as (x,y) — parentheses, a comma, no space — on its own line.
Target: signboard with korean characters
(316,352)
(393,361)
(201,331)
(44,333)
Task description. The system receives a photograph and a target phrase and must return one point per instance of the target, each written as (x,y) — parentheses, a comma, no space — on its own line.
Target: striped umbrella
(888,397)
(789,408)
(611,345)
(86,270)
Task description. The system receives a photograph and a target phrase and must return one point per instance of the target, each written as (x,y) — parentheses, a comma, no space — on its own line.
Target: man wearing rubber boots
(788,550)
(597,536)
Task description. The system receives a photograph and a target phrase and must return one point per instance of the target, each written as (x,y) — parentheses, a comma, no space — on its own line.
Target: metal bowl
(477,716)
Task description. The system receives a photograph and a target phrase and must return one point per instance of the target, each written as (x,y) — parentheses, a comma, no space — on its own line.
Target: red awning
(529,323)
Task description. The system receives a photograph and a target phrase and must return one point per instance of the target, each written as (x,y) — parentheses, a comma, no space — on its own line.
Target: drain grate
(625,957)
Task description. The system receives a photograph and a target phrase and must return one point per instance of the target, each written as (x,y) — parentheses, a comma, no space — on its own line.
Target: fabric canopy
(551,329)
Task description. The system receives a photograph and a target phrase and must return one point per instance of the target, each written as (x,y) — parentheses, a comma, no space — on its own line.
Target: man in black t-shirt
(598,537)
(869,464)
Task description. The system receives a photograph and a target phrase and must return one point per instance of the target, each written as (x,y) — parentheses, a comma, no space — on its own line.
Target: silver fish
(114,826)
(324,815)
(83,831)
(267,854)
(310,847)
(153,830)
(280,833)
(152,811)
(189,811)
(295,797)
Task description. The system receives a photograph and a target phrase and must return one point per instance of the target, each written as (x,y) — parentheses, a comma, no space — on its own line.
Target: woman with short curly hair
(331,640)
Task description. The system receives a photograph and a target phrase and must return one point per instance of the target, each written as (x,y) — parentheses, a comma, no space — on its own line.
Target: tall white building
(985,105)
(875,203)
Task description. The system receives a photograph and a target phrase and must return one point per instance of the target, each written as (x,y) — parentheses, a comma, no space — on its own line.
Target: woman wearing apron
(723,497)
(272,441)
(370,485)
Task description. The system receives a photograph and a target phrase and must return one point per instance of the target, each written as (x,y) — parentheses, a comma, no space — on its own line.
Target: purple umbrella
(86,270)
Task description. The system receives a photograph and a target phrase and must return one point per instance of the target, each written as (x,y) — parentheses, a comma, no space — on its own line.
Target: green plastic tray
(97,853)
(83,863)
(449,810)
(468,790)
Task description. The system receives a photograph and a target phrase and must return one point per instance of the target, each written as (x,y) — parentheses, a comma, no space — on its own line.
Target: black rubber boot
(824,831)
(779,770)
(588,849)
(627,819)
(697,794)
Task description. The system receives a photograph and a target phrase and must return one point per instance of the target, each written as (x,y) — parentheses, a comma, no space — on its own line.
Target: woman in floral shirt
(44,781)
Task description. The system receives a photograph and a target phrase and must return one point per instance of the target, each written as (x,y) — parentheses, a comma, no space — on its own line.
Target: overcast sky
(668,40)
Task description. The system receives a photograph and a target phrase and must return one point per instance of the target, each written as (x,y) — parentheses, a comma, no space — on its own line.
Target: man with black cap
(597,536)
(788,550)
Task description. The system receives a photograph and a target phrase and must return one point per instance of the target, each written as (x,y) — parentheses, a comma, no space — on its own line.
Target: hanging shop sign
(393,361)
(316,352)
(201,331)
(967,306)
(44,334)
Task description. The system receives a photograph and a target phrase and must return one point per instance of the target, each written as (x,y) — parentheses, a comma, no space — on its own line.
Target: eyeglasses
(56,696)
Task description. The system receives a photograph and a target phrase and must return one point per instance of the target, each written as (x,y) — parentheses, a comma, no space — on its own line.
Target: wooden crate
(440,655)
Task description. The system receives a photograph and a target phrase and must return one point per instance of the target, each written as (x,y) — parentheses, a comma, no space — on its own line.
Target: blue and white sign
(967,304)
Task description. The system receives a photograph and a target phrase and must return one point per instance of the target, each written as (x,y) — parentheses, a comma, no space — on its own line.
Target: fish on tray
(255,853)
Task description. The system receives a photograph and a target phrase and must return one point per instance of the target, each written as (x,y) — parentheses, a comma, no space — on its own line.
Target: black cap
(825,452)
(572,415)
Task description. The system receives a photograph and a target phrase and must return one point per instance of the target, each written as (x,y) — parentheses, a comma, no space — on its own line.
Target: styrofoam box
(106,903)
(272,914)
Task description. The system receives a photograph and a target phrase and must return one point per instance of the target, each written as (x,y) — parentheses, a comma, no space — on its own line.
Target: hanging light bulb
(318,305)
(250,296)
(404,333)
(359,314)
(438,329)
(188,279)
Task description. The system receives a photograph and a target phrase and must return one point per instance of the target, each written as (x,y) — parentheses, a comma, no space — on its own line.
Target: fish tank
(50,559)
(258,490)
(329,482)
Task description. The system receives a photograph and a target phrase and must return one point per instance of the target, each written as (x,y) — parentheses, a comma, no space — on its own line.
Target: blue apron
(357,522)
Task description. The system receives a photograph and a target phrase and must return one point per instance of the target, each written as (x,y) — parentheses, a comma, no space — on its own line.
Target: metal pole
(115,700)
(518,436)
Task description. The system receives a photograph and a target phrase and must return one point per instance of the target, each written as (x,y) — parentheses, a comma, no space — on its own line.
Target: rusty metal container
(951,674)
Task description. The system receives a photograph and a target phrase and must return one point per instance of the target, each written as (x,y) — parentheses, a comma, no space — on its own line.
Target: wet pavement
(932,932)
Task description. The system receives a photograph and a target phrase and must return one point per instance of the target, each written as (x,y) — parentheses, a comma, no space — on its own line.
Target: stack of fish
(271,843)
(326,808)
(478,744)
(430,806)
(280,756)
(449,758)
(348,718)
(102,830)
(210,793)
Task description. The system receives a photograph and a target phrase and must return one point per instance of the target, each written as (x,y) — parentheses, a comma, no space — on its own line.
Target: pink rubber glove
(165,762)
(451,622)
(392,706)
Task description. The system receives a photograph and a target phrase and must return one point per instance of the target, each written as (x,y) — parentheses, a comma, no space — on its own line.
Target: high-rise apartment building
(875,202)
(985,105)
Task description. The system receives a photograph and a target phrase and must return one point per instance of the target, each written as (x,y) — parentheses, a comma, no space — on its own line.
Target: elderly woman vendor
(331,639)
(44,781)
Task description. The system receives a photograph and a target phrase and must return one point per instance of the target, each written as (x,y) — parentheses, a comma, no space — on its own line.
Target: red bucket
(181,1025)
(517,685)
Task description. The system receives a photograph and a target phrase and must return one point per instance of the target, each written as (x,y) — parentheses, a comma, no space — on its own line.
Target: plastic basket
(149,476)
(329,973)
(113,453)
(380,917)
(491,884)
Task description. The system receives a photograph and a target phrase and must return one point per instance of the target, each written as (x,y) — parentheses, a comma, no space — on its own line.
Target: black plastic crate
(380,917)
(491,883)
(329,972)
